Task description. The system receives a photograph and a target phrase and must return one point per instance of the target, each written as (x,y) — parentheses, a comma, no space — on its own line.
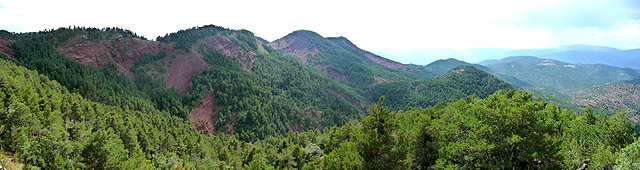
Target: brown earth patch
(4,46)
(182,67)
(315,113)
(123,51)
(230,124)
(380,80)
(333,74)
(344,96)
(228,47)
(297,127)
(295,45)
(202,116)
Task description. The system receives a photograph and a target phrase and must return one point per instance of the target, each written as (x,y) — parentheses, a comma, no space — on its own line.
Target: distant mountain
(458,82)
(555,74)
(576,54)
(443,66)
(610,97)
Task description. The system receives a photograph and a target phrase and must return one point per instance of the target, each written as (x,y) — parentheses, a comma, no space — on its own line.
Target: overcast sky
(384,26)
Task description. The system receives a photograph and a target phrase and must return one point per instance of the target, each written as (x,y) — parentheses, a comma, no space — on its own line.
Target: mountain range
(575,54)
(209,97)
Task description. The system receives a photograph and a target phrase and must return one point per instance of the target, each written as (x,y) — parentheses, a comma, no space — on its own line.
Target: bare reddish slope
(228,47)
(375,58)
(202,115)
(4,46)
(123,51)
(294,45)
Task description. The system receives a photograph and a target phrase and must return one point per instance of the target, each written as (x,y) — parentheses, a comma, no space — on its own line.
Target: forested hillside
(46,126)
(342,62)
(215,98)
(558,75)
(459,82)
(221,79)
(606,97)
(443,66)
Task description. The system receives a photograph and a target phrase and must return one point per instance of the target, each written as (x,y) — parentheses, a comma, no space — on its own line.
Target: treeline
(46,126)
(185,39)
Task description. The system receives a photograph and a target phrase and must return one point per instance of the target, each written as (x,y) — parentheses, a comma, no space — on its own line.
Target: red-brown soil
(228,47)
(4,46)
(297,127)
(329,72)
(123,51)
(295,45)
(202,115)
(344,96)
(182,67)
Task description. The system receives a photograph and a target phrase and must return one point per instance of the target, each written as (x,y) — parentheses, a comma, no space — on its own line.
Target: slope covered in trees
(46,126)
(256,90)
(443,66)
(606,97)
(459,82)
(341,61)
(559,75)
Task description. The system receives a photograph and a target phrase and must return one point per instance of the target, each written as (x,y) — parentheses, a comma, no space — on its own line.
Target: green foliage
(49,127)
(108,85)
(349,66)
(81,117)
(185,39)
(376,143)
(629,157)
(457,83)
(274,95)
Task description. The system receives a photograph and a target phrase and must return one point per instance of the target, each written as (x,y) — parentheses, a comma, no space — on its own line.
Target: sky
(399,29)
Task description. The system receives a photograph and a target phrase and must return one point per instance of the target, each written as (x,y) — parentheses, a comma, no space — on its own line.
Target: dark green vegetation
(443,66)
(458,83)
(267,97)
(253,106)
(46,126)
(342,62)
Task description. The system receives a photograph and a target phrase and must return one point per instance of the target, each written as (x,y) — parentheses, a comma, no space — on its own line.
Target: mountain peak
(307,34)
